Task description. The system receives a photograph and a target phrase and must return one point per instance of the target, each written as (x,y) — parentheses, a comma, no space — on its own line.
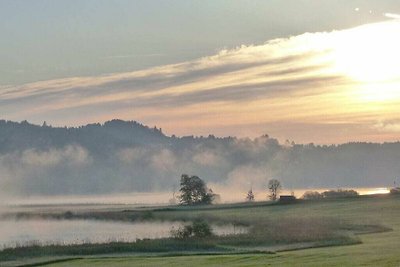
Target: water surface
(45,232)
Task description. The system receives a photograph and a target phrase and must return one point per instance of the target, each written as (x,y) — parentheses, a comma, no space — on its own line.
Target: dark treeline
(124,156)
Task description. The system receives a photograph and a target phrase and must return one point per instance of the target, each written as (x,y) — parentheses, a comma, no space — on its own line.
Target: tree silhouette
(274,186)
(312,195)
(250,196)
(194,191)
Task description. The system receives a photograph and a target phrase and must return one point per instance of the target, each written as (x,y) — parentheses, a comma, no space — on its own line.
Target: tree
(339,193)
(250,196)
(198,229)
(201,229)
(312,195)
(274,186)
(194,191)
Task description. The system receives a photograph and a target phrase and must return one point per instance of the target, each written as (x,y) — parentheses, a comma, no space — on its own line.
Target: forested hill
(124,156)
(114,134)
(16,136)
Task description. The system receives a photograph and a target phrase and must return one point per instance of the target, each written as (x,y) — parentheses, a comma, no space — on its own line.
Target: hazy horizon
(121,157)
(310,89)
(197,132)
(307,71)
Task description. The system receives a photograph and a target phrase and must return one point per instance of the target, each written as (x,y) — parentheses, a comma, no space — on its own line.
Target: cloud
(71,155)
(230,166)
(388,126)
(164,161)
(208,158)
(130,155)
(134,56)
(247,176)
(44,171)
(301,79)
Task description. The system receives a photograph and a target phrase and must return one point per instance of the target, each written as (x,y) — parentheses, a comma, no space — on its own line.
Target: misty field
(355,231)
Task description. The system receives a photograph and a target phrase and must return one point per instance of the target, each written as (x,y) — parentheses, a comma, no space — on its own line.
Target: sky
(309,71)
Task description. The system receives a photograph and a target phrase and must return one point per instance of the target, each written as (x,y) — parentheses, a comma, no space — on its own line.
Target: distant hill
(124,156)
(116,133)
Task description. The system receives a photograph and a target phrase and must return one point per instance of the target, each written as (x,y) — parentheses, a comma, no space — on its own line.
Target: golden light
(374,191)
(370,56)
(379,92)
(370,53)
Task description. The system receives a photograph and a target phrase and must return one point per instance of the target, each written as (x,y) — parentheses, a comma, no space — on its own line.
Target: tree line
(194,191)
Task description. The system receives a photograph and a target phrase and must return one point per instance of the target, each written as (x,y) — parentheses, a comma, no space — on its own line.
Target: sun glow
(378,92)
(370,53)
(370,56)
(374,191)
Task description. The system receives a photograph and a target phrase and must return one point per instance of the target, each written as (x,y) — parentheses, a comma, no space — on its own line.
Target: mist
(122,157)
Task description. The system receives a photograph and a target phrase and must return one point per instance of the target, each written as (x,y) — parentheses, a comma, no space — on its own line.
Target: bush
(312,195)
(147,215)
(198,229)
(68,215)
(339,193)
(395,190)
(201,229)
(182,232)
(330,194)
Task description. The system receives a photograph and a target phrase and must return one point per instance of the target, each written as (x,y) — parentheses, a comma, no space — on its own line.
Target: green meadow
(359,231)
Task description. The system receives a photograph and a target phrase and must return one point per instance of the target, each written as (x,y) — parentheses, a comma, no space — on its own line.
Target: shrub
(201,229)
(339,193)
(395,190)
(198,229)
(312,195)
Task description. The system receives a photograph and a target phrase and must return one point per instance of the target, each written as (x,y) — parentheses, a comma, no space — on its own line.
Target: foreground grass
(140,246)
(360,255)
(277,228)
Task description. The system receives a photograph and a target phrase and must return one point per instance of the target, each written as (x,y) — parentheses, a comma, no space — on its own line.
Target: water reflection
(45,232)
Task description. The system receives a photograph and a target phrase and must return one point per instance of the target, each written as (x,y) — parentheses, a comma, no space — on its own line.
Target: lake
(45,232)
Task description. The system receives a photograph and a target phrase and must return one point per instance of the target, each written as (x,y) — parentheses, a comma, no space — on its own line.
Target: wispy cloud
(134,56)
(388,126)
(310,79)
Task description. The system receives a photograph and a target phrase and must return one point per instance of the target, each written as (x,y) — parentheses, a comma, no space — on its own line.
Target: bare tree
(274,186)
(250,196)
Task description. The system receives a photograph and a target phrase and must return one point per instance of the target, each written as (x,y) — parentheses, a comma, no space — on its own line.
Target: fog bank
(122,157)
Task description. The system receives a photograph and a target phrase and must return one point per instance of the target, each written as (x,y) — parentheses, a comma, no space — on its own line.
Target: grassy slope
(378,249)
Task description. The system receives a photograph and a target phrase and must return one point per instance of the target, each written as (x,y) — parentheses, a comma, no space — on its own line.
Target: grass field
(289,225)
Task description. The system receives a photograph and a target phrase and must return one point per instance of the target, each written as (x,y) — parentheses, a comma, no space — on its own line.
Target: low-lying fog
(159,198)
(24,232)
(123,157)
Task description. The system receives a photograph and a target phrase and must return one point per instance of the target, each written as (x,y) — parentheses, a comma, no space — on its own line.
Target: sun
(370,53)
(369,56)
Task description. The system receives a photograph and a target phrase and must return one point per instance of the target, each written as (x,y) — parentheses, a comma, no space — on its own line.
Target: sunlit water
(45,232)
